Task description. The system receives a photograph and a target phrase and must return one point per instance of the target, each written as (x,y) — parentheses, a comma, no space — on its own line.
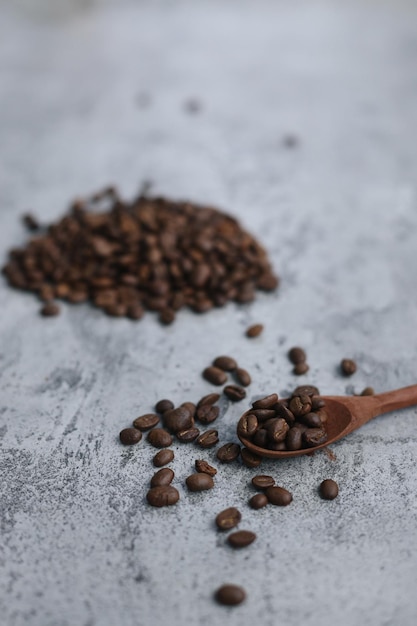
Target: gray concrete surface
(338,213)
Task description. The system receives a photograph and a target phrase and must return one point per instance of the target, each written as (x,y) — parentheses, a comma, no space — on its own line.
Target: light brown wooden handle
(397,399)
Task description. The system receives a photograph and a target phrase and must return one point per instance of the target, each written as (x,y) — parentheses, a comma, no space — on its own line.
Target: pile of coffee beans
(289,424)
(150,254)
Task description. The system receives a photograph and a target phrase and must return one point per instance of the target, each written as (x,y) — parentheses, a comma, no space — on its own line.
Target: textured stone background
(94,92)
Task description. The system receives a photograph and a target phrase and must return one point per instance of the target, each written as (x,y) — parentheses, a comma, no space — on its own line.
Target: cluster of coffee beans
(217,374)
(289,424)
(151,253)
(298,358)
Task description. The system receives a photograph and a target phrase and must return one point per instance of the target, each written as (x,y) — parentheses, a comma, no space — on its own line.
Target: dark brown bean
(199,482)
(229,518)
(228,453)
(300,369)
(159,438)
(300,405)
(147,421)
(163,477)
(241,538)
(266,403)
(50,309)
(279,446)
(306,390)
(31,222)
(205,468)
(314,437)
(294,439)
(190,406)
(167,316)
(247,425)
(368,391)
(284,413)
(312,420)
(348,367)
(214,375)
(187,436)
(164,405)
(130,436)
(207,413)
(230,595)
(178,419)
(254,331)
(263,414)
(278,496)
(225,363)
(234,393)
(163,496)
(208,439)
(317,403)
(276,429)
(249,458)
(243,377)
(329,489)
(262,481)
(260,438)
(163,457)
(258,501)
(210,398)
(297,355)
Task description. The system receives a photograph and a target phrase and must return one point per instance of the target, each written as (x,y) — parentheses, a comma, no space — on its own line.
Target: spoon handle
(397,399)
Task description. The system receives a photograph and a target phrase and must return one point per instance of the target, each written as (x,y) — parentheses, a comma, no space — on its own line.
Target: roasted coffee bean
(329,489)
(262,481)
(162,496)
(306,390)
(368,391)
(30,222)
(241,538)
(300,369)
(263,414)
(228,452)
(50,309)
(348,367)
(163,457)
(159,438)
(283,402)
(300,405)
(199,482)
(294,439)
(163,477)
(130,436)
(278,496)
(210,398)
(266,403)
(205,468)
(167,316)
(229,518)
(279,446)
(258,501)
(312,420)
(317,403)
(178,419)
(284,413)
(260,438)
(230,595)
(207,413)
(190,406)
(276,429)
(187,436)
(248,425)
(249,458)
(234,393)
(297,355)
(254,331)
(214,375)
(147,421)
(208,439)
(164,405)
(243,377)
(314,437)
(225,363)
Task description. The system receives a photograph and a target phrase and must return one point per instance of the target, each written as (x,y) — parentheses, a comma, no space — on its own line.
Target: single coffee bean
(163,477)
(294,439)
(284,413)
(348,367)
(234,393)
(164,405)
(258,501)
(190,406)
(266,403)
(229,518)
(159,438)
(167,316)
(276,429)
(306,390)
(225,363)
(208,439)
(243,377)
(199,482)
(278,496)
(329,489)
(178,419)
(263,414)
(284,402)
(230,595)
(130,436)
(260,438)
(163,457)
(262,481)
(248,425)
(207,413)
(314,437)
(241,538)
(147,421)
(279,446)
(368,391)
(187,436)
(254,331)
(300,405)
(205,468)
(249,458)
(312,420)
(300,369)
(297,355)
(317,403)
(210,398)
(214,375)
(228,453)
(50,309)
(165,495)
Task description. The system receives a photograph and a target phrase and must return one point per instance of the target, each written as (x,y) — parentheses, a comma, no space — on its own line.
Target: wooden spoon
(344,415)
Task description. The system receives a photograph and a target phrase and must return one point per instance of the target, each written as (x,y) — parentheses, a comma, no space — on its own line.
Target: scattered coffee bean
(235,393)
(258,501)
(163,496)
(278,496)
(190,406)
(207,413)
(368,391)
(262,481)
(159,438)
(254,331)
(266,403)
(329,489)
(164,405)
(348,367)
(248,425)
(205,468)
(230,595)
(241,538)
(163,477)
(300,369)
(146,422)
(208,439)
(30,222)
(313,437)
(199,482)
(249,458)
(130,436)
(228,453)
(163,457)
(229,518)
(214,375)
(211,398)
(178,419)
(297,355)
(50,309)
(243,377)
(225,363)
(188,436)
